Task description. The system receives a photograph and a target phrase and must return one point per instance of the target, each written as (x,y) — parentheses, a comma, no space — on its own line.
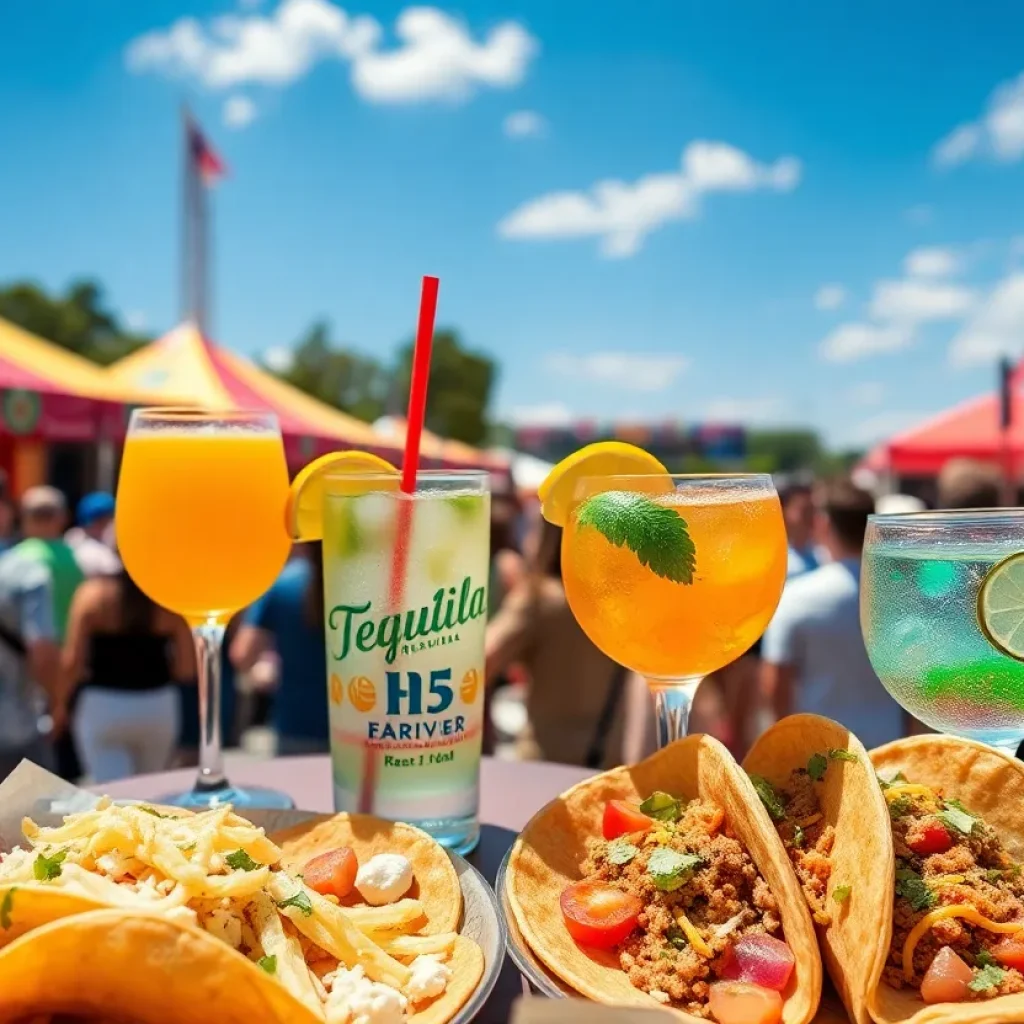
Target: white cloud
(136,320)
(628,371)
(829,296)
(746,411)
(997,327)
(867,393)
(931,261)
(882,426)
(239,111)
(545,414)
(436,57)
(920,214)
(524,124)
(998,133)
(851,341)
(622,214)
(912,302)
(279,359)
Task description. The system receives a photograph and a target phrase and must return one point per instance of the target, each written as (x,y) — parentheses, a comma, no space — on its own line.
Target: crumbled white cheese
(114,864)
(662,997)
(16,866)
(354,999)
(429,978)
(217,863)
(384,878)
(224,926)
(183,915)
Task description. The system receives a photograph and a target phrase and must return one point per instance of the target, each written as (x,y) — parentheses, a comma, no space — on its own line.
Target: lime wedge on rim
(1001,606)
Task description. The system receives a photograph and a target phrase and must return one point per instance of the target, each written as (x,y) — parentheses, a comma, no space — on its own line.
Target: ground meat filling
(723,898)
(974,871)
(808,839)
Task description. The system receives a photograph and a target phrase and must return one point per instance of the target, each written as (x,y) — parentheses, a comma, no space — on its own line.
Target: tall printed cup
(405,599)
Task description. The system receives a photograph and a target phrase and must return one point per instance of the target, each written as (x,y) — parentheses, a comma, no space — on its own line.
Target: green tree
(351,382)
(783,451)
(461,382)
(78,320)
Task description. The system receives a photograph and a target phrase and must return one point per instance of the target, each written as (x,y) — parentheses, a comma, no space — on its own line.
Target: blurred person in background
(123,657)
(575,694)
(8,516)
(289,619)
(38,578)
(797,499)
(89,540)
(813,652)
(967,483)
(898,504)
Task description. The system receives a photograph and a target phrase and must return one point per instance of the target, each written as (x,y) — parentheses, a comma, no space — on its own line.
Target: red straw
(410,466)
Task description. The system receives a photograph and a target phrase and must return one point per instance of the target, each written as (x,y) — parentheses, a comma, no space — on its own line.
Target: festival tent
(972,429)
(186,368)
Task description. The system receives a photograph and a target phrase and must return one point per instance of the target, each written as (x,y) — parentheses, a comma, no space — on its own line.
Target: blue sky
(732,211)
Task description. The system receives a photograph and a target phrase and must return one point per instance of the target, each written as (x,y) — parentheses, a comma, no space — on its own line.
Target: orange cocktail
(200,518)
(664,628)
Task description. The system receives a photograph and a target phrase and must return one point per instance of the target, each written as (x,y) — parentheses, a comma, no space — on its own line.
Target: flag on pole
(207,165)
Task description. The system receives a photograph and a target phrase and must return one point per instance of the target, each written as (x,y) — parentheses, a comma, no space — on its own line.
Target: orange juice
(668,630)
(200,518)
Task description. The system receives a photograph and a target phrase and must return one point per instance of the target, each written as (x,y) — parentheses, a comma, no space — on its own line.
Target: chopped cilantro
(241,861)
(675,937)
(913,888)
(955,818)
(661,807)
(769,797)
(300,901)
(621,852)
(900,806)
(798,837)
(151,810)
(838,754)
(816,766)
(841,893)
(46,869)
(887,783)
(187,848)
(988,977)
(984,959)
(666,954)
(6,907)
(268,963)
(994,876)
(670,869)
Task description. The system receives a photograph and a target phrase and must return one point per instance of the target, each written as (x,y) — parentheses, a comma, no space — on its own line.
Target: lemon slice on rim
(605,458)
(1001,606)
(304,512)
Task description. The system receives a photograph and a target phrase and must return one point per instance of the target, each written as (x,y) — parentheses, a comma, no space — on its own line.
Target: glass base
(250,796)
(460,835)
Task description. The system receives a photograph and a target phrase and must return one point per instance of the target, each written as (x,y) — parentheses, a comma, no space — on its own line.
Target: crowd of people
(98,682)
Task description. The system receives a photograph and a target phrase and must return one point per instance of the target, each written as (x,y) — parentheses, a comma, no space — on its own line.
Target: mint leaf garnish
(670,870)
(6,907)
(46,869)
(816,766)
(661,806)
(621,852)
(656,534)
(954,816)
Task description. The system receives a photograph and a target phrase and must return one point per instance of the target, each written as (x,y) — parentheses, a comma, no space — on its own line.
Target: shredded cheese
(948,879)
(908,789)
(942,913)
(693,936)
(812,820)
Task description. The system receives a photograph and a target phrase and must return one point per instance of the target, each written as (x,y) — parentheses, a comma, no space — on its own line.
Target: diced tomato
(621,817)
(930,837)
(1010,951)
(332,873)
(760,960)
(739,1002)
(598,914)
(947,978)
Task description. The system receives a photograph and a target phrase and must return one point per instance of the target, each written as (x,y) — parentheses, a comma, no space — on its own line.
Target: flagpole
(187,203)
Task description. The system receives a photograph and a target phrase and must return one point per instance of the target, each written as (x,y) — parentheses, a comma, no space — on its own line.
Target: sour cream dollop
(384,878)
(429,978)
(354,999)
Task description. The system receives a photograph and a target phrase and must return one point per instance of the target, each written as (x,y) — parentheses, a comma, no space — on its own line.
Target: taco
(665,884)
(196,917)
(929,920)
(816,783)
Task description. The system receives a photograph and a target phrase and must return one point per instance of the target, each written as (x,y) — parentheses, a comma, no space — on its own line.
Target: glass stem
(672,702)
(209,639)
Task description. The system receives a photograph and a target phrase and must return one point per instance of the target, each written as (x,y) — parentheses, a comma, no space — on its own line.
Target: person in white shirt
(813,653)
(89,540)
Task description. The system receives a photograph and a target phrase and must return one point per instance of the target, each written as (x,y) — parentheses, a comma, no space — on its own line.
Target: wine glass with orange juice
(671,576)
(201,529)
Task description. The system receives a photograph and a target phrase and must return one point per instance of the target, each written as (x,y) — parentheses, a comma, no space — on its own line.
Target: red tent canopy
(970,430)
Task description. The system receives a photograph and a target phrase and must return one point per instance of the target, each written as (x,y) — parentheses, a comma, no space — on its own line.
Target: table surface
(510,793)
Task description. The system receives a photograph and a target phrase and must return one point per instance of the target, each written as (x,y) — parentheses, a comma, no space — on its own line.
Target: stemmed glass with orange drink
(671,576)
(201,529)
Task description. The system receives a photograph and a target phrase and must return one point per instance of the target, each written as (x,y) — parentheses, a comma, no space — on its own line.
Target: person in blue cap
(92,539)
